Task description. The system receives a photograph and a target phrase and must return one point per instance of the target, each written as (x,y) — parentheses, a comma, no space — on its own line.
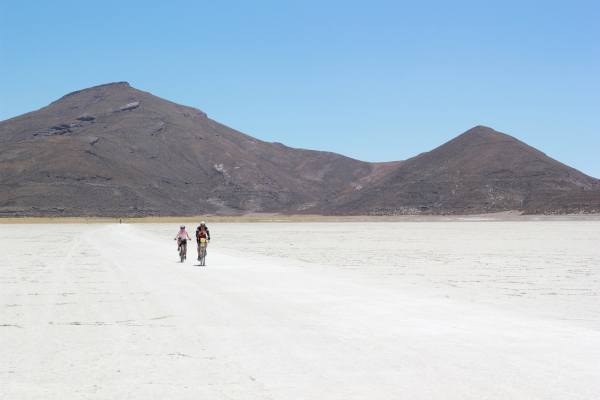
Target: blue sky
(376,80)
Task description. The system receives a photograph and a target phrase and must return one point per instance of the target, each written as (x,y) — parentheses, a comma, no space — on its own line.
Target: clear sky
(375,80)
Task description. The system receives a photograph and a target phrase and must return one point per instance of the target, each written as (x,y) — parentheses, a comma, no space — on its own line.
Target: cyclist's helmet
(182,227)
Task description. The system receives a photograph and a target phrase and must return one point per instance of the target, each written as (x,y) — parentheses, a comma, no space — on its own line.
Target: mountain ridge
(115,150)
(514,174)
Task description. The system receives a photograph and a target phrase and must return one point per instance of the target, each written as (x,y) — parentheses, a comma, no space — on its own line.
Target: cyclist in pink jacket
(182,237)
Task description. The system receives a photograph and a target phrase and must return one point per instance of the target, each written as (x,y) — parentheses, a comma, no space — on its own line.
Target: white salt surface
(403,310)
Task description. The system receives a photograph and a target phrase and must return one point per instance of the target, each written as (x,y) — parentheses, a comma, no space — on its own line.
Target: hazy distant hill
(115,150)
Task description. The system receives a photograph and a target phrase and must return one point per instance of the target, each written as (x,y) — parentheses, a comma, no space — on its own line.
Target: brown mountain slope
(116,150)
(479,171)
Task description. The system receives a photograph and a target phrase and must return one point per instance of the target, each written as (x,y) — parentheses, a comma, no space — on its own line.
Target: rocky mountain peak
(115,150)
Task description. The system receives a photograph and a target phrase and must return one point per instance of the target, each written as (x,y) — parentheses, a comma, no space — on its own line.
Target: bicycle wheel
(203,255)
(182,251)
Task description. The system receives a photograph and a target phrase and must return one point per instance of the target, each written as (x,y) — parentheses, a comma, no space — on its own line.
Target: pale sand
(354,310)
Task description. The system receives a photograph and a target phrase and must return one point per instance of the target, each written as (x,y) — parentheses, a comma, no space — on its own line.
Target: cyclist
(182,237)
(203,225)
(202,238)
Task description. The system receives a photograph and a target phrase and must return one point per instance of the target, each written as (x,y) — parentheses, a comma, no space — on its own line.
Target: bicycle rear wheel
(202,255)
(182,252)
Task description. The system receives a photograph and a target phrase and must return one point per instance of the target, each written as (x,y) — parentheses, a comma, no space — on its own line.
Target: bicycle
(183,250)
(202,251)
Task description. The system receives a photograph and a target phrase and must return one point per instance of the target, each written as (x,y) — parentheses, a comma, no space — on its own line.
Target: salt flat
(414,310)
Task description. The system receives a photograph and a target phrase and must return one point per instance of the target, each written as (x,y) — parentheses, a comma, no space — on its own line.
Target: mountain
(116,150)
(113,150)
(480,171)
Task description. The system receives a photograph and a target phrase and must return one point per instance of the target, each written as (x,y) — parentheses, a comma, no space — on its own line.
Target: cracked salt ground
(292,311)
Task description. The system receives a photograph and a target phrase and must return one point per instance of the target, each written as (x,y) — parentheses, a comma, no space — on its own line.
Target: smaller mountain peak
(481,129)
(480,134)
